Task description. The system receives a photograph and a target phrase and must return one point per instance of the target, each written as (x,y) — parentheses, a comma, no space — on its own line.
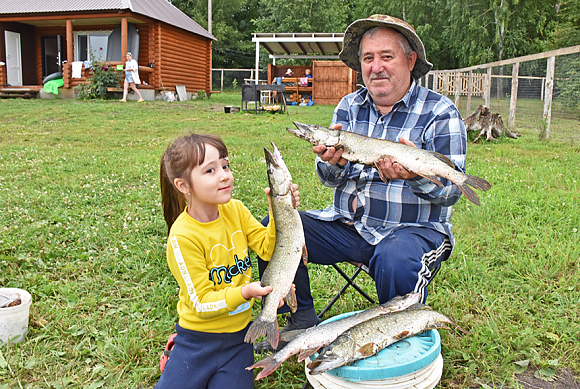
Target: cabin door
(52,55)
(13,58)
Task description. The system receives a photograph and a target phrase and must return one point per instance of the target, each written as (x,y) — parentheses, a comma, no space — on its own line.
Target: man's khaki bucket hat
(354,33)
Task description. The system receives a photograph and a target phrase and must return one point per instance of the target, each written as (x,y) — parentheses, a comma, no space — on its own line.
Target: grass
(82,231)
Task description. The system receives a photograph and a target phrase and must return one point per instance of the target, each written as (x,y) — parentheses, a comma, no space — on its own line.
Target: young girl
(207,251)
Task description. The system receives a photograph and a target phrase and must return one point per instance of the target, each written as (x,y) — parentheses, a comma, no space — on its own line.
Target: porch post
(67,70)
(123,39)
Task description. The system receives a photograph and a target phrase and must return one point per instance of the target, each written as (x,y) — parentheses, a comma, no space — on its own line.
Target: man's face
(386,71)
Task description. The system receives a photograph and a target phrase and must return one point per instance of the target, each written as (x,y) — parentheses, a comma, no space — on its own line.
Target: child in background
(207,251)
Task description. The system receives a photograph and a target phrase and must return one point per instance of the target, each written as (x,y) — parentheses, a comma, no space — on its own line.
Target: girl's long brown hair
(185,153)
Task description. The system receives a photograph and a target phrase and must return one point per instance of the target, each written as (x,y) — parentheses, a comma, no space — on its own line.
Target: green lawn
(82,230)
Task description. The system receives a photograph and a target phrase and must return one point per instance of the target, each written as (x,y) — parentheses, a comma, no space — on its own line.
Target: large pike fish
(371,336)
(368,151)
(288,251)
(309,341)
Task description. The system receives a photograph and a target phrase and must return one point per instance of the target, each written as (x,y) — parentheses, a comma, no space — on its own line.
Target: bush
(103,76)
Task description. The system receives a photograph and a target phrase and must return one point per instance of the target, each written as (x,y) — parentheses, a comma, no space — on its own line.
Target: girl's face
(212,181)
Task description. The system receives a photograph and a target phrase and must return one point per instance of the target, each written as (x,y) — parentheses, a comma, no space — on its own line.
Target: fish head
(336,354)
(400,303)
(279,178)
(317,135)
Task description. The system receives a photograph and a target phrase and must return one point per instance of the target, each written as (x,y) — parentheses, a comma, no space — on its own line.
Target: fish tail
(477,183)
(269,364)
(261,327)
(469,193)
(443,322)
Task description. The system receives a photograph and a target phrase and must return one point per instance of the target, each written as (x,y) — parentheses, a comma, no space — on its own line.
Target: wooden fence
(477,81)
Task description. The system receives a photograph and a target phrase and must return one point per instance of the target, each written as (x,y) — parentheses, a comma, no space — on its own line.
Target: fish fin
(433,178)
(291,301)
(469,193)
(305,255)
(477,183)
(269,364)
(367,350)
(402,335)
(442,158)
(288,336)
(306,353)
(261,327)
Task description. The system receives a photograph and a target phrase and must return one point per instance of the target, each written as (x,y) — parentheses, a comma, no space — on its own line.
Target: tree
(231,25)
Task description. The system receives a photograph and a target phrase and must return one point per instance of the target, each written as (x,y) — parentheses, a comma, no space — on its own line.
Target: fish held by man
(366,150)
(288,250)
(310,340)
(371,336)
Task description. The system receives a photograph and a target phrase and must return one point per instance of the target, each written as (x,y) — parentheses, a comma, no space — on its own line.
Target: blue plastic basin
(404,357)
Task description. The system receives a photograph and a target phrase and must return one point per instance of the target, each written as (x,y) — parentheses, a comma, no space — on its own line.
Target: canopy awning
(298,45)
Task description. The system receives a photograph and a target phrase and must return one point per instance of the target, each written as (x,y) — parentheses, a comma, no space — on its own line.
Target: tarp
(53,85)
(114,44)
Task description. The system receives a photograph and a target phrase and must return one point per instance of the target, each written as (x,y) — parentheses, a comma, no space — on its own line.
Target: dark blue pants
(202,360)
(405,261)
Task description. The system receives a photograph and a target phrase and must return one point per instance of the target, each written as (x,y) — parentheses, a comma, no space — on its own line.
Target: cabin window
(91,46)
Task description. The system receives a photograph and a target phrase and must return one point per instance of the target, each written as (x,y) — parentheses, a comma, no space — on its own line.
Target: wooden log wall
(2,75)
(185,59)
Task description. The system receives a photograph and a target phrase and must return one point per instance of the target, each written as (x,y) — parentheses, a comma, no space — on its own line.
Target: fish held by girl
(309,341)
(288,251)
(371,336)
(368,151)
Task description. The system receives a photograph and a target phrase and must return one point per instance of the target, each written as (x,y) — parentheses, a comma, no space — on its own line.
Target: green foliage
(568,89)
(103,76)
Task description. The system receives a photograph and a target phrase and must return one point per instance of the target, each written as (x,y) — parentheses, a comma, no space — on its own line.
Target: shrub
(103,76)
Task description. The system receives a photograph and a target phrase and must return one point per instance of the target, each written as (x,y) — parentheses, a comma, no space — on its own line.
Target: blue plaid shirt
(426,118)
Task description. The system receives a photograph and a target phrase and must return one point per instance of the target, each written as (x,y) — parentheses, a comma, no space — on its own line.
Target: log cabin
(43,38)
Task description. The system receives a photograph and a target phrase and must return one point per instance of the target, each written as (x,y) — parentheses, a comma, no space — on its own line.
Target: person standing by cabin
(390,219)
(131,78)
(210,235)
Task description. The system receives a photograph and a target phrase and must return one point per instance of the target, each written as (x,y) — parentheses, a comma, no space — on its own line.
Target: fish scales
(281,269)
(366,150)
(309,341)
(371,336)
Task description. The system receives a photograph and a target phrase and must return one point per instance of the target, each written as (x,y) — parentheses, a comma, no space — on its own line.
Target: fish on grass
(288,251)
(371,336)
(366,150)
(309,341)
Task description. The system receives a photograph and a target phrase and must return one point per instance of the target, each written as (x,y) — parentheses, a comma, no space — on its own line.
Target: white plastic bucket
(14,320)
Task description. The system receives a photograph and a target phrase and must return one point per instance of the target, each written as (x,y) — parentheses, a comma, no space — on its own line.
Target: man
(399,228)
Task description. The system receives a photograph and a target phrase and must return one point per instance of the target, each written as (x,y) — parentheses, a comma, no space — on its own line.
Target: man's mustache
(375,76)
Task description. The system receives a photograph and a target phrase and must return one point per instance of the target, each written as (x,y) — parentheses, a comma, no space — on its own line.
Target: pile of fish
(288,251)
(358,336)
(368,151)
(371,336)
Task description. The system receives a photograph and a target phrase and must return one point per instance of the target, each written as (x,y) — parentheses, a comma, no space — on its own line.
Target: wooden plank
(487,88)
(531,57)
(514,96)
(548,95)
(469,87)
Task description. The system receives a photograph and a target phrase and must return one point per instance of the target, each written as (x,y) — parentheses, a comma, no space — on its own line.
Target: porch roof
(161,10)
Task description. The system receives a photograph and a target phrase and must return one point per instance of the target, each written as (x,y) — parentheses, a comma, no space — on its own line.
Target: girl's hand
(295,193)
(256,290)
